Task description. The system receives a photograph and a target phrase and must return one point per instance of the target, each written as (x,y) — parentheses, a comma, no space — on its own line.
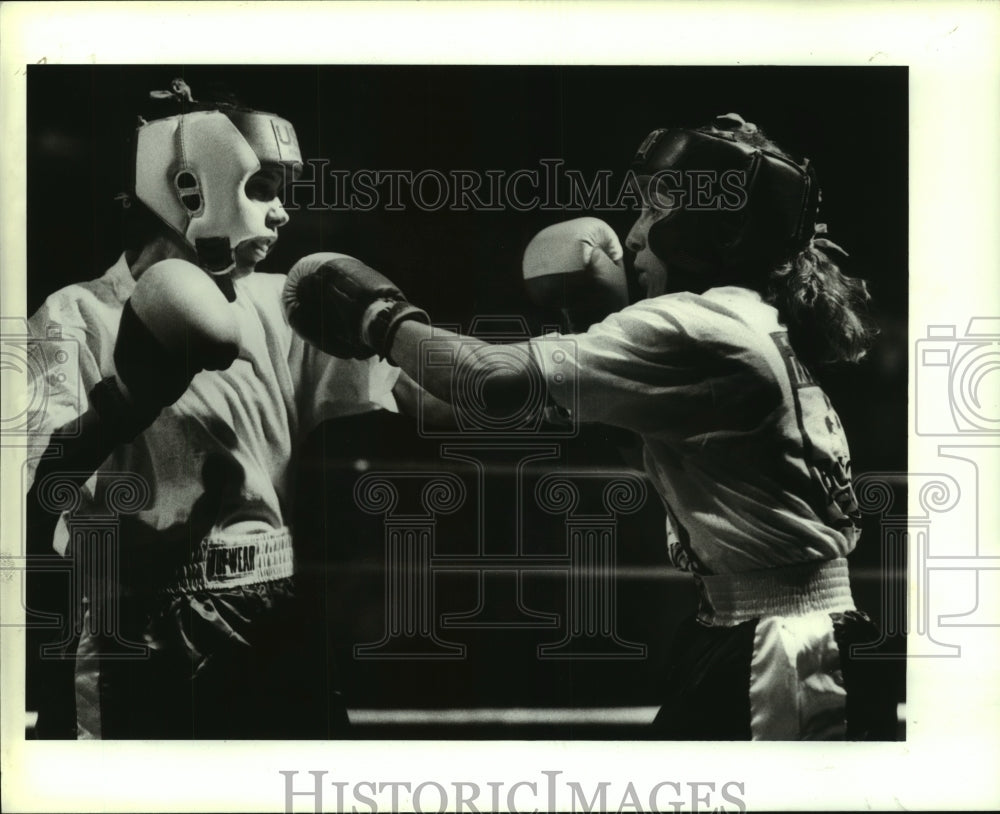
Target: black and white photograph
(492,434)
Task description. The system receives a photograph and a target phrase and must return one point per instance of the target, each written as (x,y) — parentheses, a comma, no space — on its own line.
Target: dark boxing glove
(344,307)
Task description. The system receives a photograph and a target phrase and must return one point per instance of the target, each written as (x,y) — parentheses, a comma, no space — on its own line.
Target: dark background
(851,122)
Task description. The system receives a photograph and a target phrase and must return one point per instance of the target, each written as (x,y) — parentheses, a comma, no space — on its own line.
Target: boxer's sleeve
(69,342)
(330,387)
(667,367)
(322,387)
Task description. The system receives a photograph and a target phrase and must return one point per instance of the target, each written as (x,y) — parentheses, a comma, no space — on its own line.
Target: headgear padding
(775,200)
(192,169)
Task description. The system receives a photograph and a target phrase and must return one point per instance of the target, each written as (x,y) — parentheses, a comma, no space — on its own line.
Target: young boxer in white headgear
(199,394)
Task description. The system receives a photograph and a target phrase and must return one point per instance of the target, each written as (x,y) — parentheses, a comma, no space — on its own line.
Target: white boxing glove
(577,267)
(176,323)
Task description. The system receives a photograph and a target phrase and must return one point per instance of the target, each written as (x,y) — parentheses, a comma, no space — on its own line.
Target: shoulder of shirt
(263,289)
(717,309)
(724,298)
(71,305)
(263,282)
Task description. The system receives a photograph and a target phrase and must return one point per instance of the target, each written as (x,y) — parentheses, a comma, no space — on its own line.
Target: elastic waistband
(792,590)
(231,560)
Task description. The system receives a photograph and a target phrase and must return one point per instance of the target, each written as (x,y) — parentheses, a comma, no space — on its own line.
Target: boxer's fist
(576,266)
(344,307)
(176,323)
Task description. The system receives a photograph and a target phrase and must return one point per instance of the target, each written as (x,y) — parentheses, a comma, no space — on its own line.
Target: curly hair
(825,311)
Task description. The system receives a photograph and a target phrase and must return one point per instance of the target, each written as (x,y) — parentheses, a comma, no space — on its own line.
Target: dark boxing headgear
(753,210)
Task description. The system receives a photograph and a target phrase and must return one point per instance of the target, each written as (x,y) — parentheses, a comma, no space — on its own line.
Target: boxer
(197,386)
(713,369)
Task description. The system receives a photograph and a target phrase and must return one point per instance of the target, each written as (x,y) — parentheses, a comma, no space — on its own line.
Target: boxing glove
(176,323)
(344,307)
(576,266)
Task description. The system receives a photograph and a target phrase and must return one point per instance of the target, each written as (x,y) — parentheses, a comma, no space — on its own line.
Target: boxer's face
(651,271)
(264,189)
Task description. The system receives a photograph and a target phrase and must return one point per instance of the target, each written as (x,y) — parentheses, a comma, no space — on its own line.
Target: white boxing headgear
(191,170)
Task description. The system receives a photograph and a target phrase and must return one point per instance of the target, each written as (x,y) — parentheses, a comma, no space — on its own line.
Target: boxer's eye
(264,186)
(661,200)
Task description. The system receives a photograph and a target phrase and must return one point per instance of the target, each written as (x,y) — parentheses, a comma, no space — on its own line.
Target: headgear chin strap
(755,210)
(191,171)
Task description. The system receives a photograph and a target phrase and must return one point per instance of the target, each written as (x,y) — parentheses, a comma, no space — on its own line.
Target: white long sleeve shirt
(742,445)
(228,444)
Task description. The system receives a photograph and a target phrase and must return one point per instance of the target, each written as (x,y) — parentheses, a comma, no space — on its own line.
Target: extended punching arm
(502,382)
(347,309)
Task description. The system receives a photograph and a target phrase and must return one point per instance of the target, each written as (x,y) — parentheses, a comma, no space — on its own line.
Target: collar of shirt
(119,277)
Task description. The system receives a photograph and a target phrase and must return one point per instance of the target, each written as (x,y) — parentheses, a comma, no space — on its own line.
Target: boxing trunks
(771,656)
(224,648)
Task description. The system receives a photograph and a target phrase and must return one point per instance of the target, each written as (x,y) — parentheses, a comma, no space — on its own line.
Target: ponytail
(825,311)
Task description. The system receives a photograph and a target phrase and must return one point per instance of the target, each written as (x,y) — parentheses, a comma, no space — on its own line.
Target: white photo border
(948,760)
